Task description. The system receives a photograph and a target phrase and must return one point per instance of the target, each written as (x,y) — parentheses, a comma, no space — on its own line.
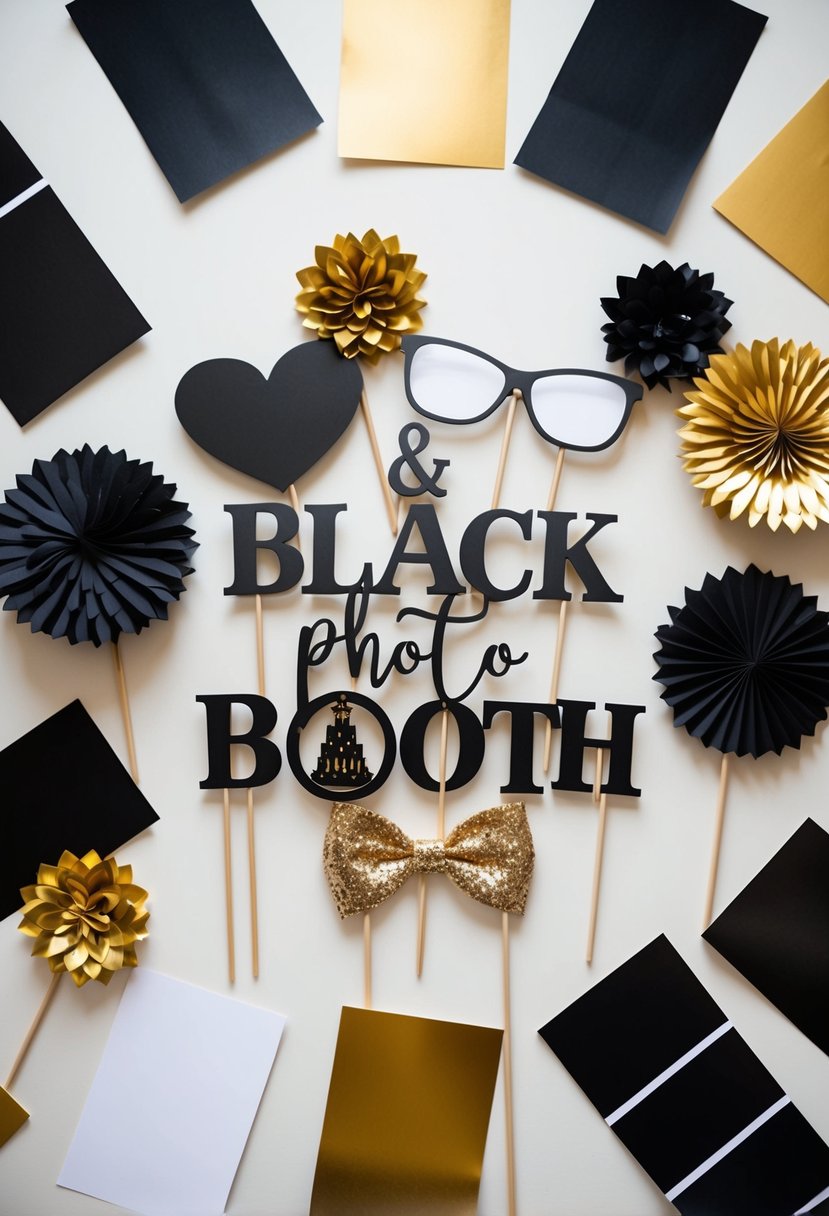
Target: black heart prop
(274,429)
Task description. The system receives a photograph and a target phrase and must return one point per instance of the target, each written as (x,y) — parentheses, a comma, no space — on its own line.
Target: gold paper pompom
(757,434)
(362,293)
(86,916)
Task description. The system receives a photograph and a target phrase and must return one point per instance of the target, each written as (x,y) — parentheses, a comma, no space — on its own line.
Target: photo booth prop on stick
(489,856)
(745,668)
(85,915)
(93,545)
(361,293)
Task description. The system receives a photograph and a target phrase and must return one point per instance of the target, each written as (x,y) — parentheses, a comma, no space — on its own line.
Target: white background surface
(516,267)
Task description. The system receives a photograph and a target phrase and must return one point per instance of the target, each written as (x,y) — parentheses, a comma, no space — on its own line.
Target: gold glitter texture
(489,856)
(362,293)
(86,916)
(756,437)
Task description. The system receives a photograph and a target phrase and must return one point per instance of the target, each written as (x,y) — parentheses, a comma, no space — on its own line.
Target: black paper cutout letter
(557,553)
(220,740)
(246,545)
(470,755)
(574,742)
(423,517)
(301,719)
(408,458)
(274,429)
(522,722)
(323,579)
(473,559)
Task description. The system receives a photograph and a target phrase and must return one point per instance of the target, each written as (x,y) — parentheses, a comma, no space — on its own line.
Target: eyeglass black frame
(516,379)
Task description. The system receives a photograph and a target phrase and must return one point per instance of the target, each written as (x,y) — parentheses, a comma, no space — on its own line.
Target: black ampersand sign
(426,484)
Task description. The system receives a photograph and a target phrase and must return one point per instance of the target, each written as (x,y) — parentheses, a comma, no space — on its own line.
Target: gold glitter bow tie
(489,856)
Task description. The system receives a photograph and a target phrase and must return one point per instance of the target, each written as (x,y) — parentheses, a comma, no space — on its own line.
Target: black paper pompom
(665,323)
(92,545)
(745,662)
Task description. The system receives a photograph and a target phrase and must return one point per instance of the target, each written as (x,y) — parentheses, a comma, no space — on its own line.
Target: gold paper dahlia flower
(362,293)
(757,434)
(86,916)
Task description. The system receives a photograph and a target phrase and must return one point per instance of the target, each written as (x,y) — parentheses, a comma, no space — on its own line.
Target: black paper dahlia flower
(92,545)
(665,323)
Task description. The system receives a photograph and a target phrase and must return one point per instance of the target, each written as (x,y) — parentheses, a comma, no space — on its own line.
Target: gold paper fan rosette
(756,436)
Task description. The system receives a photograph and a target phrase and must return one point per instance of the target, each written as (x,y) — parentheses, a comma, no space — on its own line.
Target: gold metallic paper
(756,437)
(407,1116)
(781,201)
(86,916)
(367,858)
(425,81)
(362,292)
(12,1116)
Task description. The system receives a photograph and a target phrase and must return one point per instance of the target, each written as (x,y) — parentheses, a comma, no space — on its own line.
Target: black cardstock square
(63,788)
(776,932)
(203,80)
(637,101)
(62,312)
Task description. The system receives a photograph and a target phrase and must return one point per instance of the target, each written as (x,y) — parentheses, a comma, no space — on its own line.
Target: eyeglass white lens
(578,411)
(454,385)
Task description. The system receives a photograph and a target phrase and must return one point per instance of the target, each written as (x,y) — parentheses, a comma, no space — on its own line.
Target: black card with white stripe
(62,313)
(686,1095)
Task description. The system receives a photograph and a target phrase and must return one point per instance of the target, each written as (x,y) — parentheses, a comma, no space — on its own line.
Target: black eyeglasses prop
(573,408)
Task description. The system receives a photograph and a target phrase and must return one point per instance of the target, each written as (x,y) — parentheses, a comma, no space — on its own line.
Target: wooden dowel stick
(367,960)
(598,776)
(421,923)
(231,950)
(391,509)
(507,1051)
(554,679)
(254,902)
(715,852)
(260,646)
(125,710)
(505,442)
(559,465)
(294,497)
(421,892)
(597,877)
(33,1029)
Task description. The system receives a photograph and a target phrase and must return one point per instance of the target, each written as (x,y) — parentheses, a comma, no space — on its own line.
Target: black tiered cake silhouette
(340,761)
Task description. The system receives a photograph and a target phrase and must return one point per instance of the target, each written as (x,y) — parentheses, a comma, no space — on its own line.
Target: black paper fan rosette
(745,663)
(92,545)
(665,323)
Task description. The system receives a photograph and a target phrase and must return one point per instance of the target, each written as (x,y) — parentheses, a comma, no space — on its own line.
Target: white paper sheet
(172,1104)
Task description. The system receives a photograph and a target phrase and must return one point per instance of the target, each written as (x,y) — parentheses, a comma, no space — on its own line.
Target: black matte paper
(63,788)
(637,101)
(203,80)
(62,313)
(688,1130)
(776,932)
(274,429)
